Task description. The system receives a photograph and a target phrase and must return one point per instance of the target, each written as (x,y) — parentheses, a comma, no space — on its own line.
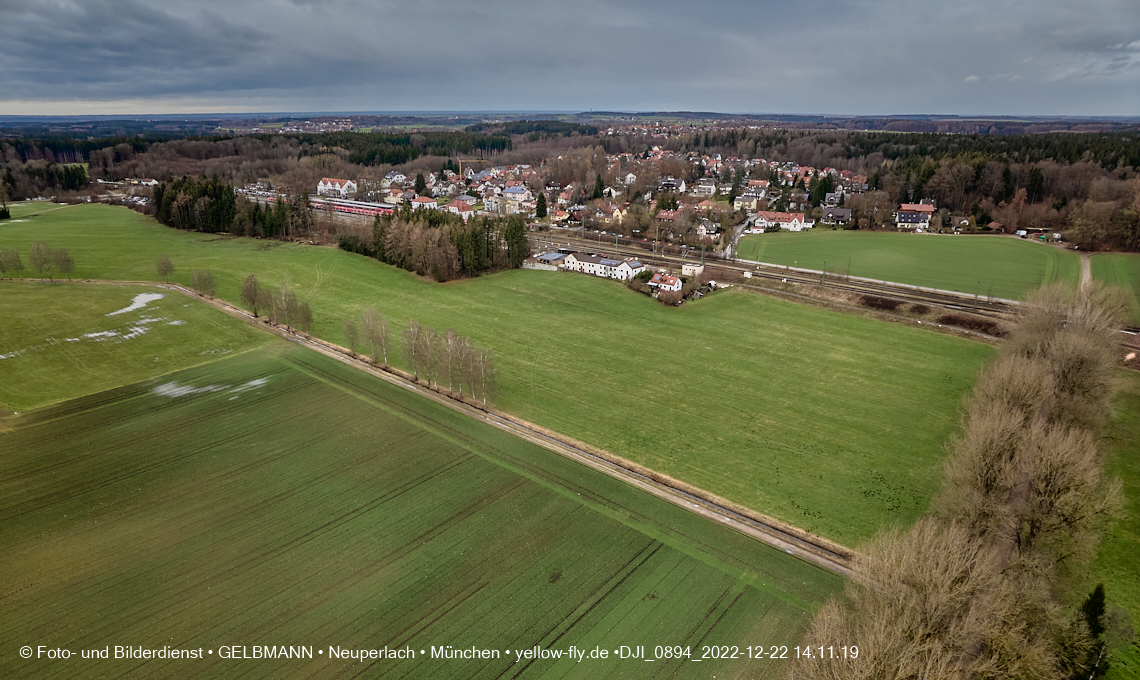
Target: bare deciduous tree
(413,347)
(250,293)
(203,282)
(40,258)
(164,266)
(10,262)
(430,344)
(351,334)
(370,323)
(62,261)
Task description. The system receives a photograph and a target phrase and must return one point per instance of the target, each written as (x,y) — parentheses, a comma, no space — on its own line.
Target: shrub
(876,302)
(972,323)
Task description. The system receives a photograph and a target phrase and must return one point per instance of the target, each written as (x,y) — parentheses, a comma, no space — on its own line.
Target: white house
(918,221)
(628,269)
(592,264)
(662,281)
(339,188)
(787,221)
(461,208)
(517,194)
(424,203)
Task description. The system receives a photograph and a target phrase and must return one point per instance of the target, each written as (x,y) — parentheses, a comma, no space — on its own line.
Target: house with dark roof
(918,221)
(838,216)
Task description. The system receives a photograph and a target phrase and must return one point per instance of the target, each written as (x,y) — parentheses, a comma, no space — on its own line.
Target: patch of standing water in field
(173,389)
(251,385)
(139,302)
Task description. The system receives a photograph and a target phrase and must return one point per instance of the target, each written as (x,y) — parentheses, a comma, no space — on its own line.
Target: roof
(330,180)
(459,206)
(551,257)
(917,207)
(780,216)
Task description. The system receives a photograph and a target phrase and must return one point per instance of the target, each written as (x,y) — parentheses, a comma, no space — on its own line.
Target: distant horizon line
(548,112)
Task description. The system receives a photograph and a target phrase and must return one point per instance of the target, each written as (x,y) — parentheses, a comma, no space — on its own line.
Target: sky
(842,57)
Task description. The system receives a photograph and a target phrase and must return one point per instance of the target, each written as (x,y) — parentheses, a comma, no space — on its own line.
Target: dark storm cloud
(841,56)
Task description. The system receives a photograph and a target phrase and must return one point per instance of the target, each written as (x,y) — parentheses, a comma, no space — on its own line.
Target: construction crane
(469,160)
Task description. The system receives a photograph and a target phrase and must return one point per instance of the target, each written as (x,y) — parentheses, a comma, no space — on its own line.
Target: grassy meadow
(279,497)
(1120,269)
(63,341)
(986,265)
(1119,553)
(831,422)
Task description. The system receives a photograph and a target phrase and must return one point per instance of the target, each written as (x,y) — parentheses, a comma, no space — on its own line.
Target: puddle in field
(173,389)
(141,300)
(132,330)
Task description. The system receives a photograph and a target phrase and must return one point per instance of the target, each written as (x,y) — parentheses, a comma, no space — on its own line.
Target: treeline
(436,358)
(984,585)
(535,130)
(439,244)
(21,180)
(375,148)
(1109,150)
(200,204)
(62,149)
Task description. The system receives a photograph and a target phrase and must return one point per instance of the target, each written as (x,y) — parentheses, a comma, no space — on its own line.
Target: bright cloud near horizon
(985,57)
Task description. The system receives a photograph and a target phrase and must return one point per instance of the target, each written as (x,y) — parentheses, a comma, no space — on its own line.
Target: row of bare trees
(281,305)
(42,257)
(982,587)
(439,359)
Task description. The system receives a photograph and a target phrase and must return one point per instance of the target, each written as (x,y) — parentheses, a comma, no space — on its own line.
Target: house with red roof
(337,188)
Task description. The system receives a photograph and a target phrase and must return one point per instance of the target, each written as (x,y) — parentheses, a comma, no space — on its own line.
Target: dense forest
(535,130)
(440,244)
(373,148)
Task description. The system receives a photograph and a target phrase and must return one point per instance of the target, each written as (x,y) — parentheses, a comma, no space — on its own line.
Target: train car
(352,207)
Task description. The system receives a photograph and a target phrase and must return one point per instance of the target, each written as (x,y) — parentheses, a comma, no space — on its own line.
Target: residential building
(337,188)
(663,281)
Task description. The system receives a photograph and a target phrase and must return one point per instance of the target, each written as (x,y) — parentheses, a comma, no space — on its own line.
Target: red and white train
(341,205)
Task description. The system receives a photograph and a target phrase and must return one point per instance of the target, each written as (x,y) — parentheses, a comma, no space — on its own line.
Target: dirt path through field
(792,540)
(1086,270)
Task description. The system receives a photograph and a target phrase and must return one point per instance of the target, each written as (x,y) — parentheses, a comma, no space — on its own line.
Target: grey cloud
(849,56)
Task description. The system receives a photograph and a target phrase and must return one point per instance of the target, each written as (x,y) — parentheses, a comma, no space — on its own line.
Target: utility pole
(823,274)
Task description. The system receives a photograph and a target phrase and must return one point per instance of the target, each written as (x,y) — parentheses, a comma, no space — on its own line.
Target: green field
(831,422)
(985,265)
(281,498)
(63,341)
(1115,565)
(1120,269)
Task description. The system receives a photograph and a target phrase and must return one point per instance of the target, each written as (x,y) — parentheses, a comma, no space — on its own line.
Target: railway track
(983,306)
